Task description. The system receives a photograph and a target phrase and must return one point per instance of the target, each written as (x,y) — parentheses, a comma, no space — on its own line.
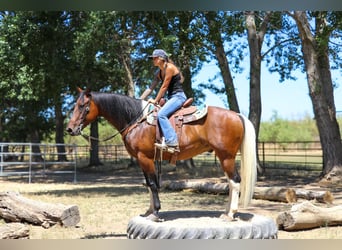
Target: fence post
(30,164)
(115,153)
(263,154)
(2,158)
(75,161)
(44,158)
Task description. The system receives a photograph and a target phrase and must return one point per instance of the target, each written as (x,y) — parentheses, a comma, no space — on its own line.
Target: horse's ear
(79,90)
(87,92)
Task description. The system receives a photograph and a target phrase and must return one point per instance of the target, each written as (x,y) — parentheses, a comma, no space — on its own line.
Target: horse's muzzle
(74,132)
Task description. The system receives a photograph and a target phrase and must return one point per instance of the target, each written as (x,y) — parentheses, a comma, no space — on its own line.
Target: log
(282,194)
(320,196)
(291,195)
(201,186)
(275,194)
(16,208)
(307,216)
(14,231)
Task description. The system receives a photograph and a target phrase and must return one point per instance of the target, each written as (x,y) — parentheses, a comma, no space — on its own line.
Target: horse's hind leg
(234,180)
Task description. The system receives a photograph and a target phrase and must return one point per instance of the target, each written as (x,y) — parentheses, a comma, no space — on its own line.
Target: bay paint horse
(221,130)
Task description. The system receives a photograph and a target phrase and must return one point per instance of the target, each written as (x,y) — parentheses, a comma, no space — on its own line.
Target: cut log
(14,231)
(201,186)
(307,216)
(320,196)
(282,194)
(291,195)
(16,208)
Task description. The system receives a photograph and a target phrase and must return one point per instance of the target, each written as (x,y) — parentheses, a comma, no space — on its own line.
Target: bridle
(84,112)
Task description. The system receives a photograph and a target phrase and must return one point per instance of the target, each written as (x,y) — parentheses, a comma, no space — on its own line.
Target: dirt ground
(130,181)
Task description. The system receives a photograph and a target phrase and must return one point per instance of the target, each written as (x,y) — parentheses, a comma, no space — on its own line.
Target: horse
(221,130)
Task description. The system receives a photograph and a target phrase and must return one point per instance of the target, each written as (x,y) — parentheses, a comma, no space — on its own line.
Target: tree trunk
(185,49)
(94,145)
(35,139)
(306,216)
(316,61)
(227,77)
(2,138)
(60,133)
(223,63)
(187,80)
(16,208)
(129,78)
(255,40)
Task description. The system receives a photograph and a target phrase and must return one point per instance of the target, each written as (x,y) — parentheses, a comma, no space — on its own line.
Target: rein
(89,137)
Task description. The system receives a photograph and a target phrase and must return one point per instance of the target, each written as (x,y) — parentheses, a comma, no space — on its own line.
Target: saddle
(186,114)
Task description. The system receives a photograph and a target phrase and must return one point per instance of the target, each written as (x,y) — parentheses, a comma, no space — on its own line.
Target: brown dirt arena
(109,196)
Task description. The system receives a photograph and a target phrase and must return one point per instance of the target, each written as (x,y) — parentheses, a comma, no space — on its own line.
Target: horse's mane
(123,109)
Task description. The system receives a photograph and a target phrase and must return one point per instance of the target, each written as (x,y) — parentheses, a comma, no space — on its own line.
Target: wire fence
(300,155)
(29,158)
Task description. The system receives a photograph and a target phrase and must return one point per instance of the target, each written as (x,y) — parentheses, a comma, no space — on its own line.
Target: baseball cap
(159,53)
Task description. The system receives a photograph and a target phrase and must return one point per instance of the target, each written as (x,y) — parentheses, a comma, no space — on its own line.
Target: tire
(202,225)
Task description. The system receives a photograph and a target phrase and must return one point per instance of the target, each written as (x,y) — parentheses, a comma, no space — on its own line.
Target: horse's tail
(248,170)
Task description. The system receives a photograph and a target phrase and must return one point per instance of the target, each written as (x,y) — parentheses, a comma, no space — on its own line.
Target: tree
(21,85)
(256,32)
(315,49)
(36,50)
(222,26)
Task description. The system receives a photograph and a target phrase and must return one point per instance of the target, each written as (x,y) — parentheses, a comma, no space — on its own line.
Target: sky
(289,99)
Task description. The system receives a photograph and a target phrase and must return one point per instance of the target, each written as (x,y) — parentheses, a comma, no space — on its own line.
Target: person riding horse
(232,133)
(172,79)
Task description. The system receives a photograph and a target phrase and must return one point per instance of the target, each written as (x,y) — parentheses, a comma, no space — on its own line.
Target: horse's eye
(81,106)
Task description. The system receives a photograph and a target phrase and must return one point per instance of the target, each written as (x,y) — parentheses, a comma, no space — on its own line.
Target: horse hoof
(147,213)
(227,218)
(154,218)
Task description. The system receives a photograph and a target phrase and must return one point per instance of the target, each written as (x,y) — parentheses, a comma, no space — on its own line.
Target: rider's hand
(152,101)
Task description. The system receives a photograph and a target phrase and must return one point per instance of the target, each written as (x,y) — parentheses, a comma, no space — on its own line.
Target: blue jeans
(175,102)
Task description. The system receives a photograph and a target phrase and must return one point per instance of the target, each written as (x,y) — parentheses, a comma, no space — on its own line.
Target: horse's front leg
(151,182)
(148,168)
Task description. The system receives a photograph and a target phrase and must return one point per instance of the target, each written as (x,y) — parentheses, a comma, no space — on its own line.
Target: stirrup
(160,145)
(173,150)
(164,147)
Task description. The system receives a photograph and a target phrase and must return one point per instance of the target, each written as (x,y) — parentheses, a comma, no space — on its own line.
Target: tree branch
(277,44)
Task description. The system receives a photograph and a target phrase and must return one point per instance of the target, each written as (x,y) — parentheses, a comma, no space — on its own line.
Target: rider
(172,80)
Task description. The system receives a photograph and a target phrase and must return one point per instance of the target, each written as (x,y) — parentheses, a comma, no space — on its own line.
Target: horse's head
(85,112)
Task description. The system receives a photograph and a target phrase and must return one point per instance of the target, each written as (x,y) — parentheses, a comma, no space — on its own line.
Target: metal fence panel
(23,158)
(26,158)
